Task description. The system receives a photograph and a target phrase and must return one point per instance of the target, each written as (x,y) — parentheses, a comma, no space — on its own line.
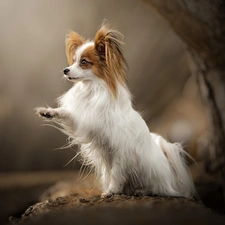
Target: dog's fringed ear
(108,48)
(108,44)
(73,41)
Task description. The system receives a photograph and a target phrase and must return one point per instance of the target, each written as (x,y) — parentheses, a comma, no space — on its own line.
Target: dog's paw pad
(46,112)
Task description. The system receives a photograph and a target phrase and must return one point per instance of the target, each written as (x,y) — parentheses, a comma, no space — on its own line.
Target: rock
(119,209)
(74,201)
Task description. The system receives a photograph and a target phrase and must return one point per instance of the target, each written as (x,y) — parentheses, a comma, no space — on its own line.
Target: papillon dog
(97,114)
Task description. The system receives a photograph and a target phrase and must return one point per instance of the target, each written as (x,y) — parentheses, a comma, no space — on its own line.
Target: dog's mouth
(73,78)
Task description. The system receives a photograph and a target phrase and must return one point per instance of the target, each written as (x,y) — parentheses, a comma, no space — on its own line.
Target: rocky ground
(77,201)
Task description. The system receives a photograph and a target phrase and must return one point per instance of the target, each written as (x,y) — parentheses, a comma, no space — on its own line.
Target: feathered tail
(176,158)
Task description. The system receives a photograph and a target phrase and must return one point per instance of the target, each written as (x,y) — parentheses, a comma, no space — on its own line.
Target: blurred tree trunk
(201,25)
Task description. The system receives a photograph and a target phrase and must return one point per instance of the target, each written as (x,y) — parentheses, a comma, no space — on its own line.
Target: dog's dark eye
(83,61)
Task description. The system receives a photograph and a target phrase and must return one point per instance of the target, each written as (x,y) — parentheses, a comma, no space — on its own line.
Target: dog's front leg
(117,180)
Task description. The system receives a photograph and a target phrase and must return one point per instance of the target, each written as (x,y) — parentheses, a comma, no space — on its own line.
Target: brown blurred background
(32,58)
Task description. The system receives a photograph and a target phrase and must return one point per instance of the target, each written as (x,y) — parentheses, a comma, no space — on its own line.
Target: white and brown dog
(97,114)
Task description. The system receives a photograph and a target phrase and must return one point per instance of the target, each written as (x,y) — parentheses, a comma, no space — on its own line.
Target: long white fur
(115,140)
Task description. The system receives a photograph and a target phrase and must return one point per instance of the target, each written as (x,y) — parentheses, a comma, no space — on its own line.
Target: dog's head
(98,60)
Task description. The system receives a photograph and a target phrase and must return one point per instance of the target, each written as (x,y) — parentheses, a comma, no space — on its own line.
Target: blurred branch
(201,26)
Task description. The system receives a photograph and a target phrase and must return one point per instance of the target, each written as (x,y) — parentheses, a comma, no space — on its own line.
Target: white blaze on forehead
(81,49)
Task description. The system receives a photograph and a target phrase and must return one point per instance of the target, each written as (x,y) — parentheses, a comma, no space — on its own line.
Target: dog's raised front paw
(48,113)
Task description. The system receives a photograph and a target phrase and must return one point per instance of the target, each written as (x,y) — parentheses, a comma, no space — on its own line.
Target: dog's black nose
(66,71)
